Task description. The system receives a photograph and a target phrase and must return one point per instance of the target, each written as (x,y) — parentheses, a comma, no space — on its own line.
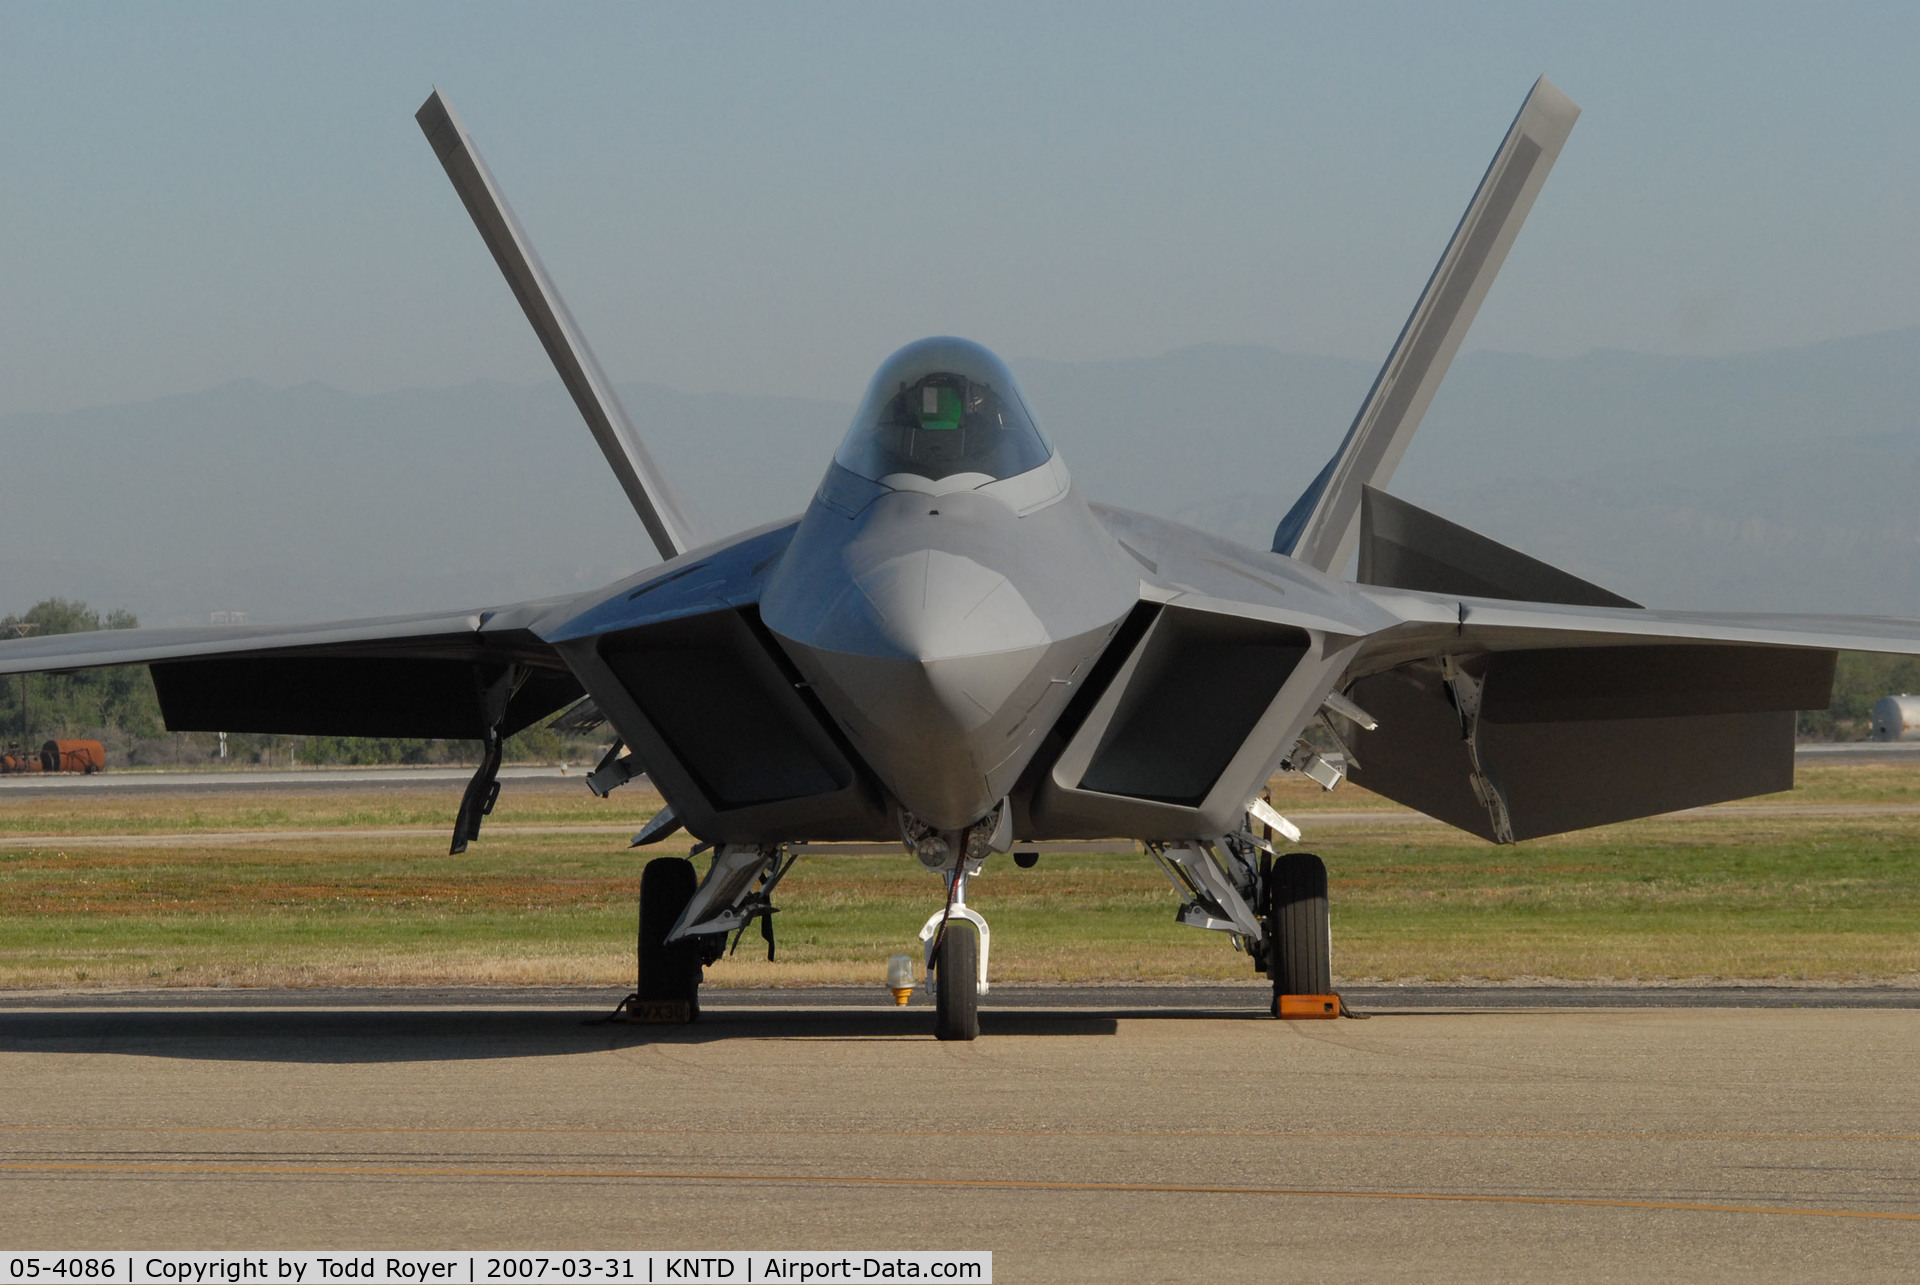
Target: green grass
(1805,898)
(431,806)
(1825,898)
(428,807)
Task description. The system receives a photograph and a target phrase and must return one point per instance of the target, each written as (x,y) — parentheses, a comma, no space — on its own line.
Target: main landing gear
(1299,935)
(668,988)
(684,923)
(1272,905)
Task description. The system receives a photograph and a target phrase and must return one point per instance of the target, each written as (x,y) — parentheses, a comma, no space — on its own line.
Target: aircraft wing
(1434,624)
(1515,720)
(480,675)
(432,674)
(1509,717)
(437,674)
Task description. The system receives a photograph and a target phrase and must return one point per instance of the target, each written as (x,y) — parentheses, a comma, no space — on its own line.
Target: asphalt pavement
(1095,1134)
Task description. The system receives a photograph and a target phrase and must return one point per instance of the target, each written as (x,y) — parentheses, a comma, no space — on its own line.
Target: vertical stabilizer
(646,487)
(1322,527)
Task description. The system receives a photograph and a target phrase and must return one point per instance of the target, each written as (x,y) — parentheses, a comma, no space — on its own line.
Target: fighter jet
(954,650)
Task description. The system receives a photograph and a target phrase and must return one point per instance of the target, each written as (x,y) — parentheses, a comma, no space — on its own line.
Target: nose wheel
(956,940)
(956,986)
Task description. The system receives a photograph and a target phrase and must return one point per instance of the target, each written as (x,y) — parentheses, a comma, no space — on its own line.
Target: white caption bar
(492,1267)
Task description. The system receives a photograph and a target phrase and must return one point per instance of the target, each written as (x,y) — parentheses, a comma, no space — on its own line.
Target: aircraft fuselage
(945,633)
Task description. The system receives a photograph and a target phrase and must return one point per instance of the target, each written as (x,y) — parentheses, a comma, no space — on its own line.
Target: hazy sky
(763,198)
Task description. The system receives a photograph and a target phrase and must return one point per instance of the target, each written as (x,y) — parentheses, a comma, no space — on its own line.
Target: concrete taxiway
(1091,1134)
(573,776)
(453,779)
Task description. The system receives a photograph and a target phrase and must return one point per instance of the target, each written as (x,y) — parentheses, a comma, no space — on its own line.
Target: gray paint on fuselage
(727,573)
(945,634)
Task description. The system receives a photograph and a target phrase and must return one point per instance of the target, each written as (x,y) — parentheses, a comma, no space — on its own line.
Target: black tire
(956,983)
(667,972)
(1300,944)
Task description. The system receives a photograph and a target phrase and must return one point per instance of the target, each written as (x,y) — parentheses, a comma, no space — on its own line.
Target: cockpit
(943,411)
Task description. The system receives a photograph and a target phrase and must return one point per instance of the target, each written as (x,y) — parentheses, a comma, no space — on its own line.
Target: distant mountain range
(1784,480)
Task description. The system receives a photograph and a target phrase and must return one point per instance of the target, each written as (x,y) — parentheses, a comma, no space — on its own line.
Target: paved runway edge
(1215,998)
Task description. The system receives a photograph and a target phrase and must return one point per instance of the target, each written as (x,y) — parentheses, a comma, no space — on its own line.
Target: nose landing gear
(956,937)
(956,991)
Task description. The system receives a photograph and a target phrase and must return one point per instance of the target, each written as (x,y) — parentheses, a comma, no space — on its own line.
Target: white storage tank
(1896,718)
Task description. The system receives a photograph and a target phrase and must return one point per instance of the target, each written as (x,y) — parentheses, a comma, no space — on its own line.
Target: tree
(116,706)
(119,707)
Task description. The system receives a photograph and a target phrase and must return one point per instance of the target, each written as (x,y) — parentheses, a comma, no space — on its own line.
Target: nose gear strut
(956,937)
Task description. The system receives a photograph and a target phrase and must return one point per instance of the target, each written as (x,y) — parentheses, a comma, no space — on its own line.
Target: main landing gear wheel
(669,974)
(956,985)
(1299,936)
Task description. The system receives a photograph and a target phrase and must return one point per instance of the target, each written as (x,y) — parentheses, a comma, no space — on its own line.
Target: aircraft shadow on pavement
(350,1036)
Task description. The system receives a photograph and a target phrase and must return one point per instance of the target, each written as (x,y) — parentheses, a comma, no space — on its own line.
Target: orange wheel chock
(1301,1007)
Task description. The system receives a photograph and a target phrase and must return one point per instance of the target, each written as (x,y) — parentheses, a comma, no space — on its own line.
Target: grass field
(288,888)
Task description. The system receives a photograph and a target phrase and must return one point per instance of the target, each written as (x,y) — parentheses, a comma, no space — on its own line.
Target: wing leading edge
(455,675)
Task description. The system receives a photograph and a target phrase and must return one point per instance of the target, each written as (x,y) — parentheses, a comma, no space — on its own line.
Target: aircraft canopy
(942,407)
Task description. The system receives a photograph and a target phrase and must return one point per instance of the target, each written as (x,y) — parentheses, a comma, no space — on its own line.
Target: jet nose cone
(930,644)
(932,606)
(945,637)
(933,663)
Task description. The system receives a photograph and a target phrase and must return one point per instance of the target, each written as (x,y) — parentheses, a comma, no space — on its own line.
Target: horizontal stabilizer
(423,675)
(1522,744)
(1403,547)
(352,696)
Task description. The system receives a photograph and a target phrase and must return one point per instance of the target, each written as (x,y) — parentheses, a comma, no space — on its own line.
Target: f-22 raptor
(954,650)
